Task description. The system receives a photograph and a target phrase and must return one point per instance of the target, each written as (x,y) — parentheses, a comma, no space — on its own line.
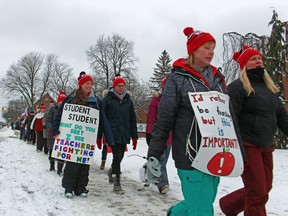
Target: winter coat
(44,119)
(94,102)
(36,123)
(152,115)
(28,121)
(49,121)
(259,114)
(121,116)
(175,113)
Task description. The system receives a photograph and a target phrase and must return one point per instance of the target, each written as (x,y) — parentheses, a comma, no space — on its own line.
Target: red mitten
(99,144)
(134,143)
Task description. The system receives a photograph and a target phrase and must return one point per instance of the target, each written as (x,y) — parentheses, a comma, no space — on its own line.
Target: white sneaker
(83,195)
(68,195)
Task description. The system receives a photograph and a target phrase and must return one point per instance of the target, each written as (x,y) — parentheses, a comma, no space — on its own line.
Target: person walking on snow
(75,178)
(163,185)
(119,109)
(175,113)
(259,112)
(50,139)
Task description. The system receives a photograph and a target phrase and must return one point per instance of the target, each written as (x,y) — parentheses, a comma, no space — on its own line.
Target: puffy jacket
(259,114)
(94,102)
(152,115)
(175,112)
(121,117)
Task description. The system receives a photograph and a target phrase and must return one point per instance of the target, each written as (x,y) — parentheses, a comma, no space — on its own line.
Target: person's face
(42,110)
(87,87)
(204,54)
(120,88)
(254,62)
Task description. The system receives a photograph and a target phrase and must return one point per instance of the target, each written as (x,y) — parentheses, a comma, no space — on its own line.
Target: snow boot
(52,166)
(109,173)
(102,166)
(59,167)
(117,185)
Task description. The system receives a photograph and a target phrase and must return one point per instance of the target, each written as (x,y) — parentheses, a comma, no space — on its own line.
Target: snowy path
(27,187)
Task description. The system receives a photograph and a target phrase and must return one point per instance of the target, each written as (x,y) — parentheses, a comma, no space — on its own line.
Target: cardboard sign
(78,133)
(219,153)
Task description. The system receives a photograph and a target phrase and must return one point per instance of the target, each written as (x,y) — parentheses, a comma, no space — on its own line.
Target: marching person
(259,112)
(175,113)
(37,126)
(50,139)
(75,178)
(119,109)
(163,185)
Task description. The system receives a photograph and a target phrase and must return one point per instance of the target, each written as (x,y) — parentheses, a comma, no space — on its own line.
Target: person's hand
(134,143)
(44,127)
(153,171)
(99,144)
(148,138)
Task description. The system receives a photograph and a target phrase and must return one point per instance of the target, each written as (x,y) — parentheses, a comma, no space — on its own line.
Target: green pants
(199,190)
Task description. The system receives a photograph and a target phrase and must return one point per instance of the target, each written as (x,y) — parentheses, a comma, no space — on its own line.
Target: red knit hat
(83,78)
(244,55)
(118,79)
(61,96)
(196,38)
(42,106)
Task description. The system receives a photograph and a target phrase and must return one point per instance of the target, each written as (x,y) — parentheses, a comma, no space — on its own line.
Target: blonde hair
(189,60)
(248,87)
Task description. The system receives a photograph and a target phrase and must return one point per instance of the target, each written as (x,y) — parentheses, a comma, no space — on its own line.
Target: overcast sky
(68,27)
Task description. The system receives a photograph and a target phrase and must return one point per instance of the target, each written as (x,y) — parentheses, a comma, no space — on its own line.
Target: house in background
(46,100)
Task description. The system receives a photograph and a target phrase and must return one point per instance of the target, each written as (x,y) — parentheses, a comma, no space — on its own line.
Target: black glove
(44,127)
(148,138)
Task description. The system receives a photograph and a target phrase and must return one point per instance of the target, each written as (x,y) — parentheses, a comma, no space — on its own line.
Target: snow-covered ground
(27,187)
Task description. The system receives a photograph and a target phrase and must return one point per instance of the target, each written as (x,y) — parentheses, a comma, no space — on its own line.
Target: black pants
(118,151)
(30,136)
(40,140)
(104,152)
(75,177)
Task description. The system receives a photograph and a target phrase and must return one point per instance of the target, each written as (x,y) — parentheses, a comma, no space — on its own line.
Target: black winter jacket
(258,114)
(175,112)
(121,117)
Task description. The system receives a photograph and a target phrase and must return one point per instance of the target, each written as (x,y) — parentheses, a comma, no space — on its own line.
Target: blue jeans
(163,161)
(199,190)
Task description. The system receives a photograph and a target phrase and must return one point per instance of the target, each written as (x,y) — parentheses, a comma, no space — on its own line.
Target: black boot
(59,167)
(52,166)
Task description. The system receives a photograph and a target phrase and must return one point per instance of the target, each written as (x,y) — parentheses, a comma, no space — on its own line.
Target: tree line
(35,73)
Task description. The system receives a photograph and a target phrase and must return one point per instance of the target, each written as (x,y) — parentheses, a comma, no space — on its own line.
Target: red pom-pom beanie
(244,55)
(83,78)
(196,38)
(118,79)
(61,96)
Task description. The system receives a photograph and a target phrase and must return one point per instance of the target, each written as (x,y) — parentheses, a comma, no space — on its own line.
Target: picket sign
(219,153)
(78,133)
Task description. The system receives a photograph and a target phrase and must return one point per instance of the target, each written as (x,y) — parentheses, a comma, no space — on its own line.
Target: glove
(99,144)
(148,138)
(134,143)
(153,171)
(44,127)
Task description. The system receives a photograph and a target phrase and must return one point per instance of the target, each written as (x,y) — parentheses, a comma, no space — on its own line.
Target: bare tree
(33,75)
(21,78)
(110,56)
